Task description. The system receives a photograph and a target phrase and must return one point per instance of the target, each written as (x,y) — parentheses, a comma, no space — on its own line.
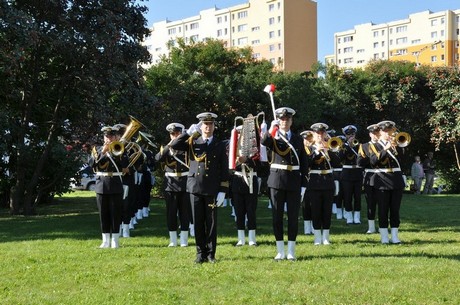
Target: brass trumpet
(116,148)
(334,144)
(402,139)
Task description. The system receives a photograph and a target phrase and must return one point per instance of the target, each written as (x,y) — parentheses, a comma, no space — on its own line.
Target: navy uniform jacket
(364,161)
(175,172)
(388,178)
(290,180)
(208,173)
(349,159)
(103,164)
(320,162)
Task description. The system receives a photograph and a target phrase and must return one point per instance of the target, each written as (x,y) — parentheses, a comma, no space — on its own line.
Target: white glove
(273,124)
(194,128)
(220,199)
(302,193)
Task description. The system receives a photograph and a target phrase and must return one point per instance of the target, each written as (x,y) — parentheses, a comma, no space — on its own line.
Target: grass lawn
(54,258)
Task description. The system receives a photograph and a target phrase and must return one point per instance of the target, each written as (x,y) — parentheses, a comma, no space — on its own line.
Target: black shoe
(199,260)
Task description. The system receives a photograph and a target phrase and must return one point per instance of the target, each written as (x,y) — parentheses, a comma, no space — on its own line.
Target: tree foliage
(65,67)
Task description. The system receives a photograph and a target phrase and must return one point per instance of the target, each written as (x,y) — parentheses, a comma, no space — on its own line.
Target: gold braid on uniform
(361,151)
(307,150)
(280,152)
(198,159)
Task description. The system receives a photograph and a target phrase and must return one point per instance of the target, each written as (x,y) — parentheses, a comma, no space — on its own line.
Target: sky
(333,15)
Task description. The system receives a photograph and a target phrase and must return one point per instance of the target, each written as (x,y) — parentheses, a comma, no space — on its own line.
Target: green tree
(66,66)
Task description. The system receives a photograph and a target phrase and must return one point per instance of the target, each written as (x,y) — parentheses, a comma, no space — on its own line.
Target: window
(273,61)
(348,60)
(383,43)
(383,32)
(271,7)
(442,33)
(256,28)
(225,31)
(383,55)
(339,40)
(348,39)
(194,26)
(391,42)
(279,19)
(434,47)
(434,22)
(194,38)
(376,45)
(242,41)
(434,34)
(442,20)
(271,48)
(279,33)
(271,34)
(279,46)
(401,40)
(271,20)
(348,50)
(242,14)
(257,41)
(279,5)
(442,57)
(434,59)
(242,27)
(219,33)
(256,55)
(360,51)
(415,41)
(172,31)
(376,56)
(401,29)
(360,61)
(376,34)
(219,19)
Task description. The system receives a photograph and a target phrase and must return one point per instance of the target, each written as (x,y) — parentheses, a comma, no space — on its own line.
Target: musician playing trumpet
(109,167)
(388,182)
(352,176)
(321,184)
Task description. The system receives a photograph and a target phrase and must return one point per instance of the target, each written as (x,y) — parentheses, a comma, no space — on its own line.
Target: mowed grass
(54,258)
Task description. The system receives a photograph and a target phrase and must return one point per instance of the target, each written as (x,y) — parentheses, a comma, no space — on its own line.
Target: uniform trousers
(177,204)
(128,204)
(204,214)
(321,208)
(278,197)
(109,206)
(306,207)
(371,201)
(245,205)
(352,194)
(389,202)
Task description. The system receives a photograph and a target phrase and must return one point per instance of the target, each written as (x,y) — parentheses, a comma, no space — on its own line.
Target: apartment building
(424,38)
(281,31)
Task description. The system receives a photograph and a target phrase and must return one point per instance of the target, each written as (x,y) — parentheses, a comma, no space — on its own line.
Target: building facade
(424,38)
(281,31)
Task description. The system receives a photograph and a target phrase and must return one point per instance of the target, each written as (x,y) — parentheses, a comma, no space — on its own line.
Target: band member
(307,136)
(148,179)
(245,188)
(175,183)
(388,182)
(287,179)
(207,181)
(336,163)
(352,176)
(129,195)
(110,164)
(321,185)
(364,152)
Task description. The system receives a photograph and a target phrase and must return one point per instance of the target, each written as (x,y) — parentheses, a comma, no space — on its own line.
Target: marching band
(314,170)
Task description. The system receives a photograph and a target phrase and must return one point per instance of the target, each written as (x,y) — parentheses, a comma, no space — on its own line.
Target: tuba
(334,144)
(133,149)
(402,139)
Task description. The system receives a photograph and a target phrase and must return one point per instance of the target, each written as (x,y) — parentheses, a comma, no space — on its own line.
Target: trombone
(334,144)
(402,139)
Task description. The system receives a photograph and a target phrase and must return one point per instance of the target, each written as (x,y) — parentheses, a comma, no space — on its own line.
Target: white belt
(285,167)
(321,171)
(109,174)
(351,166)
(249,174)
(383,170)
(337,169)
(179,174)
